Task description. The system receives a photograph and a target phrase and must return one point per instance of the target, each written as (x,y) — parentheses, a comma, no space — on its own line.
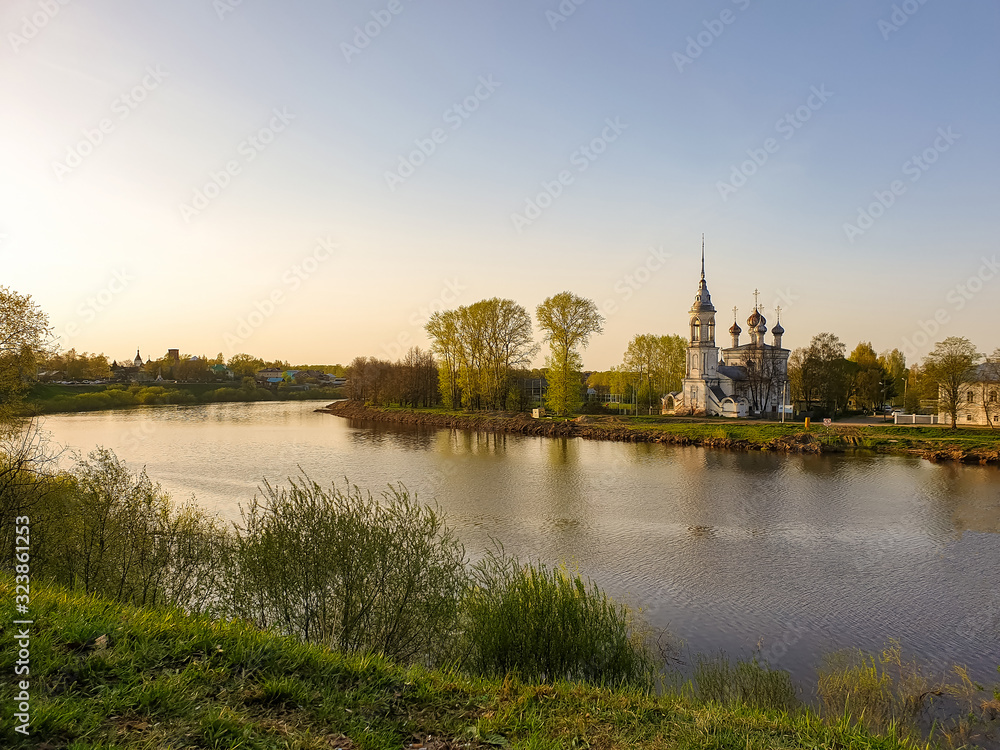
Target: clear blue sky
(111,241)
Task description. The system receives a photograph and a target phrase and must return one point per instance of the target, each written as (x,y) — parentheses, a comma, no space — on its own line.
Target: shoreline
(792,438)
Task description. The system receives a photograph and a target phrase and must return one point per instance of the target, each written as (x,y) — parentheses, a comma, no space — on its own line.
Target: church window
(696,331)
(968,417)
(970,397)
(993,397)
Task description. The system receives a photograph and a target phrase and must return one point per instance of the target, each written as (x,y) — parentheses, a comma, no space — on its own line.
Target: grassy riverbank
(54,399)
(970,445)
(109,675)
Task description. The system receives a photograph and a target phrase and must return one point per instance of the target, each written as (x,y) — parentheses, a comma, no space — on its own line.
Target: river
(802,554)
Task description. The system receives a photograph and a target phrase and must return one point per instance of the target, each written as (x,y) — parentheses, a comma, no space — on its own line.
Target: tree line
(410,381)
(826,382)
(652,366)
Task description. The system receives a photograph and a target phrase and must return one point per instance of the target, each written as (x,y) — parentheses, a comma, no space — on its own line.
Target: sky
(310,180)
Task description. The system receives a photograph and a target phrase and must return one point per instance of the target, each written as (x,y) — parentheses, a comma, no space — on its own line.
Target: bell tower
(703,354)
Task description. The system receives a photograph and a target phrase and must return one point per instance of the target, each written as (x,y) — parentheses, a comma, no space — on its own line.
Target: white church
(749,380)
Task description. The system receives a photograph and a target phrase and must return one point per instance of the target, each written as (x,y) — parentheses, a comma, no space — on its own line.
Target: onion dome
(755,320)
(735,330)
(778,330)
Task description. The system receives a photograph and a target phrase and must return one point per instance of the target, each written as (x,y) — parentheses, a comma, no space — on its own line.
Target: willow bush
(117,534)
(546,624)
(338,567)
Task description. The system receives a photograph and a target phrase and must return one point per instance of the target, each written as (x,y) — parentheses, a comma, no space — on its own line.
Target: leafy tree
(191,369)
(443,328)
(658,365)
(799,380)
(916,389)
(820,374)
(950,368)
(244,365)
(870,382)
(25,335)
(568,322)
(75,366)
(480,348)
(894,365)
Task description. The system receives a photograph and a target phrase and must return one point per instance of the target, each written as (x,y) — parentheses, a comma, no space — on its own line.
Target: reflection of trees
(970,493)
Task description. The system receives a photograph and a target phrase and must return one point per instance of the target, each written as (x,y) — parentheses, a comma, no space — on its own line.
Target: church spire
(703,300)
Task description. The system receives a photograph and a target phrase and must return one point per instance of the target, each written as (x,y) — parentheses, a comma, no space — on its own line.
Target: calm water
(803,554)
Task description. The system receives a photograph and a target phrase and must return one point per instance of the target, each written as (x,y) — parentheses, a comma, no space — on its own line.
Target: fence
(916,419)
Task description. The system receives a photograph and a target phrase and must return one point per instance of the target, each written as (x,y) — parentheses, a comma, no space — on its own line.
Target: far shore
(936,443)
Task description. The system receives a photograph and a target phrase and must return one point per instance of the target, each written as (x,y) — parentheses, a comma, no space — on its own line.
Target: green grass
(548,623)
(164,679)
(47,398)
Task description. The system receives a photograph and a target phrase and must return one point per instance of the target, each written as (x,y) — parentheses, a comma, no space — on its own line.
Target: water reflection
(812,552)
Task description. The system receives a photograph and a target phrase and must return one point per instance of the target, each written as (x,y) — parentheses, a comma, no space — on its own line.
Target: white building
(979,400)
(742,380)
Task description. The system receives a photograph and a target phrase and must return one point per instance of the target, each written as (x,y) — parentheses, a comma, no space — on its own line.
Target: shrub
(116,534)
(548,624)
(334,566)
(749,682)
(879,691)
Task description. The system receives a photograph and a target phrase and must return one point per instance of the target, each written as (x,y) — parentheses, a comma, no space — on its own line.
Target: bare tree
(989,388)
(765,376)
(950,367)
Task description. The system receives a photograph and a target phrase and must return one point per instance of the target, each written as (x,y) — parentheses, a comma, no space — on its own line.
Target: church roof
(733,372)
(752,346)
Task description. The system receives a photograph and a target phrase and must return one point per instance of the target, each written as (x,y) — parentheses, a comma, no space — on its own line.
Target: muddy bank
(590,428)
(612,428)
